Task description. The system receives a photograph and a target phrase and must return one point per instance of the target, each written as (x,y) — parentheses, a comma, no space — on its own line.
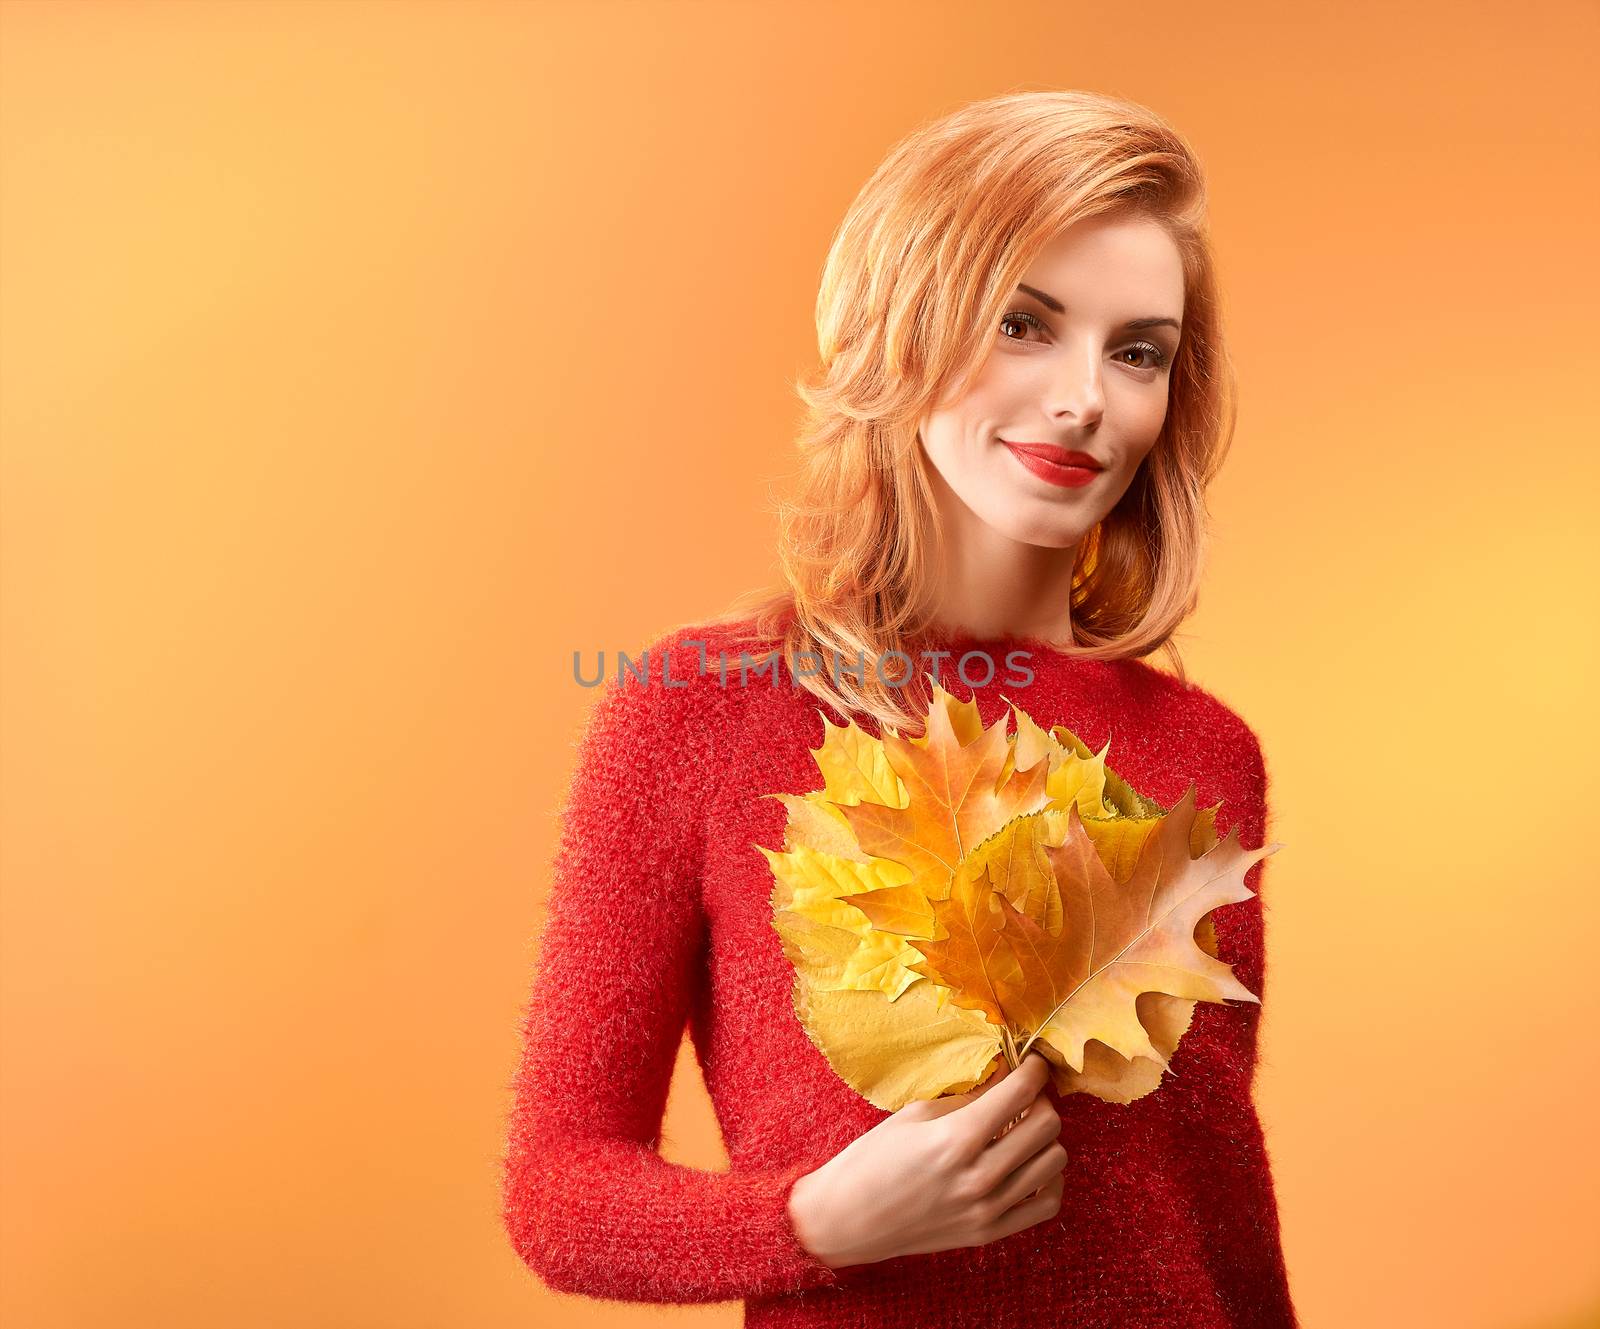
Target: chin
(1044,534)
(1058,541)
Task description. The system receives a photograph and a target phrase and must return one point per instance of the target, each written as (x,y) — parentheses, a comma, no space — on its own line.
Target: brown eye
(1156,356)
(1019,316)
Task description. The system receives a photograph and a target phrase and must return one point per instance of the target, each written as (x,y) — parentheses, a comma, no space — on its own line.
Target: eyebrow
(1132,325)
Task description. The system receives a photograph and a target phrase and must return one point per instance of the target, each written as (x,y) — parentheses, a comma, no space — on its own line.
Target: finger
(1035,1209)
(1039,1171)
(948,1103)
(1039,1129)
(984,1117)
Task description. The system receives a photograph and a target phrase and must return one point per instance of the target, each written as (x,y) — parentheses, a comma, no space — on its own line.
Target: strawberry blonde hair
(920,271)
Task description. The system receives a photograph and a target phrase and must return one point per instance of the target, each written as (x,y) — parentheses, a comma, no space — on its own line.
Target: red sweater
(659,915)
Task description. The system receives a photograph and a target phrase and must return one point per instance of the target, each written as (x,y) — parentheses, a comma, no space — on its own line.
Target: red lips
(1060,456)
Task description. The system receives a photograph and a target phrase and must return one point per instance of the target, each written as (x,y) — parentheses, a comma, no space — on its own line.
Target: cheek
(943,445)
(953,436)
(1141,416)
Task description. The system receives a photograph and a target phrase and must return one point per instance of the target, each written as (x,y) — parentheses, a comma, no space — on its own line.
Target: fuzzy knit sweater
(659,918)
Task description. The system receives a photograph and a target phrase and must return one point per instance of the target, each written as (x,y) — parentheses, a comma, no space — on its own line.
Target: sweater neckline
(961,639)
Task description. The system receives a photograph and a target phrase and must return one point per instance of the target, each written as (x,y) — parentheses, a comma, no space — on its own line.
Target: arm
(1219,1151)
(589,1203)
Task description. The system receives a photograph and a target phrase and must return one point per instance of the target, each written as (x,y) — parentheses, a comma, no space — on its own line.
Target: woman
(1022,396)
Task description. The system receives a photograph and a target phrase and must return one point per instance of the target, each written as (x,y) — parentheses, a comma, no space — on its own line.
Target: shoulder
(665,692)
(678,663)
(697,658)
(1190,704)
(1223,723)
(1236,756)
(1200,720)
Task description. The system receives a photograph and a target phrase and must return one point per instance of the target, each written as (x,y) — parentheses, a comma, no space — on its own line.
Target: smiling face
(1076,365)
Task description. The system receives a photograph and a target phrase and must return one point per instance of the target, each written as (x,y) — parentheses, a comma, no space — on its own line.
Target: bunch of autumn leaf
(970,895)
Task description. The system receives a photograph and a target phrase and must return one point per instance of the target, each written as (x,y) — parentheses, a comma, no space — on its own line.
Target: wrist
(806,1222)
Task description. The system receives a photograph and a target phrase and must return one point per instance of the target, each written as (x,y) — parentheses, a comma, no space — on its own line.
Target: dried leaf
(957,899)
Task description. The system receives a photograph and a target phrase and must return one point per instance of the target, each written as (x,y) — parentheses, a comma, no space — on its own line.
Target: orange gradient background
(362,361)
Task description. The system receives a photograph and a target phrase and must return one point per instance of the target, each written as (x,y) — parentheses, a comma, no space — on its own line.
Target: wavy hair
(919,273)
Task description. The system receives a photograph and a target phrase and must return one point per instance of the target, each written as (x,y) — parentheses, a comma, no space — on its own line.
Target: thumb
(948,1103)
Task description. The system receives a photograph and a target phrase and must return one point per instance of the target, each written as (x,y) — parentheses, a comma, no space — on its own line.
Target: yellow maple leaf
(1078,978)
(957,795)
(947,902)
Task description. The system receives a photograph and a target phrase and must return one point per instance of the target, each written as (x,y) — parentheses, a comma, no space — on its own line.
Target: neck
(991,586)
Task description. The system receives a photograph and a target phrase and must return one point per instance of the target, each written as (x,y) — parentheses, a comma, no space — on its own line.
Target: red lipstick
(1060,466)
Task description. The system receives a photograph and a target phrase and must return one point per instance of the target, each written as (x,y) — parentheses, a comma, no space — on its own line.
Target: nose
(1076,391)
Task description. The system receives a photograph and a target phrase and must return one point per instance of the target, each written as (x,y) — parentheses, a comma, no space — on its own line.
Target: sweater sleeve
(588,1201)
(1220,1153)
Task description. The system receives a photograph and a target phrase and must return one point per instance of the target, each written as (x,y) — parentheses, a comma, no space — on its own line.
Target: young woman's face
(1080,364)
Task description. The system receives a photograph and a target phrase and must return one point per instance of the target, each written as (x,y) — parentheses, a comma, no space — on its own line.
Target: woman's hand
(938,1175)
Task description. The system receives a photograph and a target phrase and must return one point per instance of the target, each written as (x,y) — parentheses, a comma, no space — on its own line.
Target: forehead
(1107,264)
